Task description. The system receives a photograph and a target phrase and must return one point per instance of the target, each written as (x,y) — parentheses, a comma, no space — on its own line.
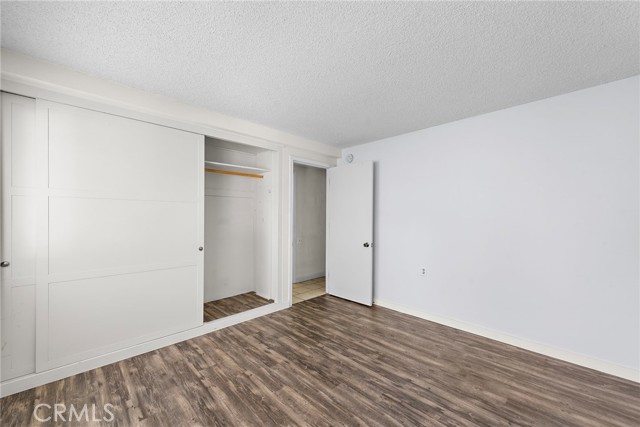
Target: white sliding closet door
(123,212)
(21,184)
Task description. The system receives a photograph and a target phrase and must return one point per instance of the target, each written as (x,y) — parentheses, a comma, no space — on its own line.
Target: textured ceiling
(339,73)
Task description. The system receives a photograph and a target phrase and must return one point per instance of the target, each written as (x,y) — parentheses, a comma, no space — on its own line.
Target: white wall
(310,222)
(230,227)
(526,220)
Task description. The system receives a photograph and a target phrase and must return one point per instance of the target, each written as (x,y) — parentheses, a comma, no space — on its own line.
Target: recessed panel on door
(20,113)
(23,239)
(107,154)
(18,331)
(87,234)
(90,316)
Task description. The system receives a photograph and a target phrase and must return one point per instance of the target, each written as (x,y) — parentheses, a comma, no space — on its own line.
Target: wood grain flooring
(328,362)
(233,305)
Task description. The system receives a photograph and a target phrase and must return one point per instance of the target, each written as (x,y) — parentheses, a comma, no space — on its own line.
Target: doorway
(309,232)
(238,183)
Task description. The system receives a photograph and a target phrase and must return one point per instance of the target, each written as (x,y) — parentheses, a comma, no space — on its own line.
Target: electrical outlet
(299,242)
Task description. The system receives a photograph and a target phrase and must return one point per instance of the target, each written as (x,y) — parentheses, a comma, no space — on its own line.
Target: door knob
(200,248)
(4,264)
(366,245)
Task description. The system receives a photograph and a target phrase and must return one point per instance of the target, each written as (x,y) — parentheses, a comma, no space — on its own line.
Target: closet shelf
(234,169)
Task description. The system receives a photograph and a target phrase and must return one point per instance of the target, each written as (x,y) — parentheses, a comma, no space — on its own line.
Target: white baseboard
(27,382)
(547,350)
(308,277)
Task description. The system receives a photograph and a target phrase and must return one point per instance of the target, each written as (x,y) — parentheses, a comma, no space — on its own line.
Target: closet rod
(250,175)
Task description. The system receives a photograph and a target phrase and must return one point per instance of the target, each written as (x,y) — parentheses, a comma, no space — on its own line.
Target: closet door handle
(366,245)
(201,249)
(5,264)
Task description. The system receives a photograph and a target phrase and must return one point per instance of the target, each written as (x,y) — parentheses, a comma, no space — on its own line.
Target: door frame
(296,160)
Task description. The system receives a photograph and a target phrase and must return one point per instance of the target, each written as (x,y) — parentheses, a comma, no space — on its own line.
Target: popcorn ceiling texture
(339,73)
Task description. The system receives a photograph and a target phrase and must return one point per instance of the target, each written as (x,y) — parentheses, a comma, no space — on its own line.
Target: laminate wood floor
(233,305)
(327,362)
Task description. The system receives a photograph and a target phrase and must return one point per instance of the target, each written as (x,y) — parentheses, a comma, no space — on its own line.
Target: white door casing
(350,232)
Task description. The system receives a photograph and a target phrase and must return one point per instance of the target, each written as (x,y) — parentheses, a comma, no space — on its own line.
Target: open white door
(350,232)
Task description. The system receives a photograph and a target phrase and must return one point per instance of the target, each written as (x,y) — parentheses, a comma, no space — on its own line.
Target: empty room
(320,213)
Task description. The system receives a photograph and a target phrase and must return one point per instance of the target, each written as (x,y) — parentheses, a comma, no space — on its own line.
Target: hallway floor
(308,289)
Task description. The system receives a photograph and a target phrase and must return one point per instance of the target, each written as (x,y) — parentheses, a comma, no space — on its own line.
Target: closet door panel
(95,234)
(89,317)
(123,222)
(23,240)
(21,140)
(18,332)
(103,153)
(22,182)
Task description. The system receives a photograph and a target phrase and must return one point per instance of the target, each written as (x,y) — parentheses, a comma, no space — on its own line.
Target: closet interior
(238,221)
